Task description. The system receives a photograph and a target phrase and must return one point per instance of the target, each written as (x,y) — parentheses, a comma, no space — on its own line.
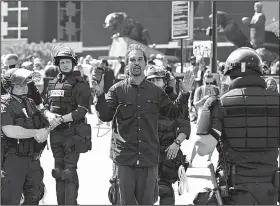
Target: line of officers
(149,124)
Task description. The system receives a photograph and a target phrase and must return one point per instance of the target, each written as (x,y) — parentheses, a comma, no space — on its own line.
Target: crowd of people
(150,112)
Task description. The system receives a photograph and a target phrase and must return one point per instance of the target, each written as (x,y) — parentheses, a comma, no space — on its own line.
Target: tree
(27,52)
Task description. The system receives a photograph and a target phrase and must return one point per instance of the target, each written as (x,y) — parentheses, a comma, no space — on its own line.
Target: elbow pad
(79,113)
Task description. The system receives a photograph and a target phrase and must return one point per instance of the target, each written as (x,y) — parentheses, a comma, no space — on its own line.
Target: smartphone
(97,74)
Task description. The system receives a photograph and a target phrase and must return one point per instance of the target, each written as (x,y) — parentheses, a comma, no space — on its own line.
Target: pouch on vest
(82,139)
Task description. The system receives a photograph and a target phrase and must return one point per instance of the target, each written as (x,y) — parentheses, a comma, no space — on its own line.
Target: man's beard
(134,71)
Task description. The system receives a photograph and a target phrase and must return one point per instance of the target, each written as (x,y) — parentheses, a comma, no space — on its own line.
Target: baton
(214,182)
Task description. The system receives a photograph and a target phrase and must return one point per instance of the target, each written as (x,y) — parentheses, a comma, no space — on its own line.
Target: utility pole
(214,38)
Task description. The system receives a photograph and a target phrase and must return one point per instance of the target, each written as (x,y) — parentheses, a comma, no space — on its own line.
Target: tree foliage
(29,51)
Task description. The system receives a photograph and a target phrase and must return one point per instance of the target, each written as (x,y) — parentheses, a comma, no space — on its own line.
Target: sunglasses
(209,83)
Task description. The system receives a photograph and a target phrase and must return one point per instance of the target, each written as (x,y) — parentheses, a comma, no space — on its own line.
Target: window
(15,16)
(69,21)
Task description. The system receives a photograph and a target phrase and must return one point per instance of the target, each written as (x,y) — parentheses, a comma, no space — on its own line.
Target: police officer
(12,61)
(244,125)
(171,156)
(23,139)
(66,107)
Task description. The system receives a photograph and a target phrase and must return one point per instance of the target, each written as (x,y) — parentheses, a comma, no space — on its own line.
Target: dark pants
(24,175)
(246,194)
(65,171)
(166,193)
(137,185)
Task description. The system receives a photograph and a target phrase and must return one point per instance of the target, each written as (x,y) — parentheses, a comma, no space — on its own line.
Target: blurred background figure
(120,70)
(27,65)
(274,69)
(271,84)
(50,72)
(151,59)
(202,93)
(10,61)
(39,74)
(109,80)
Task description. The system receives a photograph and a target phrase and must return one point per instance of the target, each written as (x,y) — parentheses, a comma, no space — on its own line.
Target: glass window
(24,18)
(12,4)
(24,34)
(12,34)
(12,18)
(25,3)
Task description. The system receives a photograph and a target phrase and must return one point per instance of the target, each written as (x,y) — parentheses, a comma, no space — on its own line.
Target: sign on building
(202,48)
(182,20)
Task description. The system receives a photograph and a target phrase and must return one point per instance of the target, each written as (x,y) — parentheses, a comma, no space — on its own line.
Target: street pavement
(95,170)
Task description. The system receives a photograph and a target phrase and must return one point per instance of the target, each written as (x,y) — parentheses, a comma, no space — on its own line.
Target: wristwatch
(178,142)
(61,119)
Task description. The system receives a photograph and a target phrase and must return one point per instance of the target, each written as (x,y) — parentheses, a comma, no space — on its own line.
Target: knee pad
(56,173)
(165,190)
(69,175)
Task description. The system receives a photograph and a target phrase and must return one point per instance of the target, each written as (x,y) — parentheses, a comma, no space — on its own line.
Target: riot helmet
(157,72)
(16,76)
(62,51)
(242,62)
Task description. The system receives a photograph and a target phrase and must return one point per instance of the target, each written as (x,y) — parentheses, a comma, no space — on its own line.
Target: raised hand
(186,84)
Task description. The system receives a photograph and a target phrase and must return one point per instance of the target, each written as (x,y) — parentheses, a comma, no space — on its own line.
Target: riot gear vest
(250,132)
(25,147)
(60,93)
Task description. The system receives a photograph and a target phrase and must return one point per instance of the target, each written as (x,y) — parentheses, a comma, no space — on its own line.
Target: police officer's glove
(55,122)
(50,115)
(42,135)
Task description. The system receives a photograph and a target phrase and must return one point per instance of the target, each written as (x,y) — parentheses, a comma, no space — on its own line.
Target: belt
(68,124)
(35,156)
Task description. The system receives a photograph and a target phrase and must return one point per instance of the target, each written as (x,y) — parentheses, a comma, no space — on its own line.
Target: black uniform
(68,140)
(20,158)
(168,131)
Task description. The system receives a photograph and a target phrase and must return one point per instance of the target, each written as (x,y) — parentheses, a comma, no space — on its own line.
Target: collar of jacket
(247,81)
(62,77)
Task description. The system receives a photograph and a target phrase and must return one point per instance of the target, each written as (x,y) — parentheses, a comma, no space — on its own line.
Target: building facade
(81,22)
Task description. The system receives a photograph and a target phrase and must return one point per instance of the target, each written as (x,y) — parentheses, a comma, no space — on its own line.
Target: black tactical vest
(60,94)
(25,147)
(250,134)
(251,116)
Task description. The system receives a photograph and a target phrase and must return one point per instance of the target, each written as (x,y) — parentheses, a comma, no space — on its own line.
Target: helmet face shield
(17,77)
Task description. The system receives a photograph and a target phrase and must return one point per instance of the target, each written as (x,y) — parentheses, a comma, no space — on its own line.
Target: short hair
(208,75)
(104,61)
(135,47)
(8,57)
